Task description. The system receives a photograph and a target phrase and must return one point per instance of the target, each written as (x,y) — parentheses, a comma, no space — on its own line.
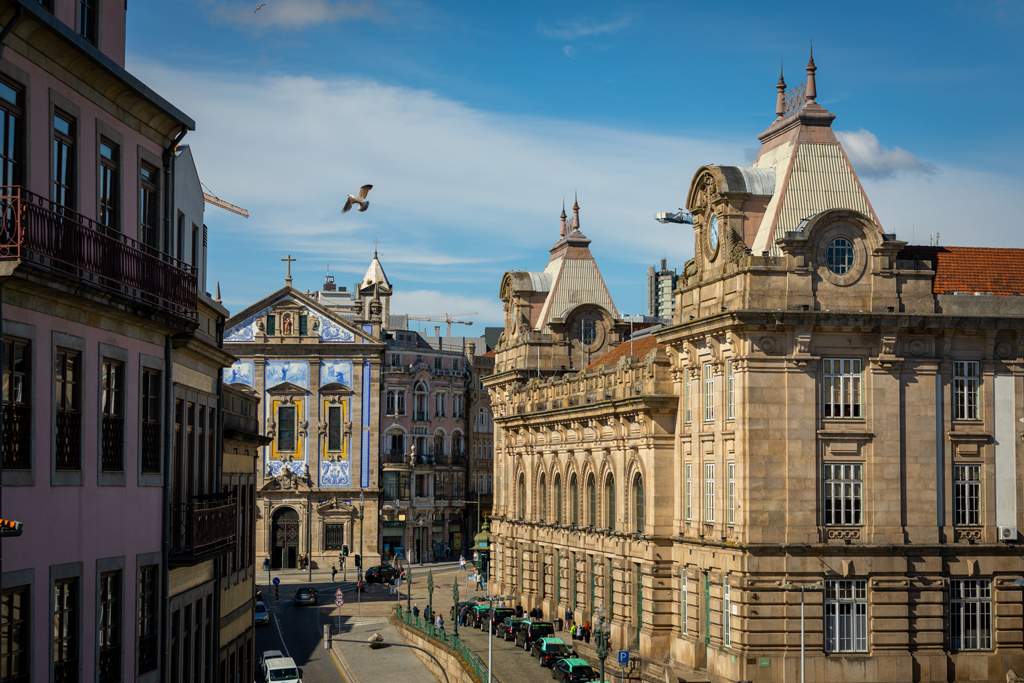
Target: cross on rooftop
(288,277)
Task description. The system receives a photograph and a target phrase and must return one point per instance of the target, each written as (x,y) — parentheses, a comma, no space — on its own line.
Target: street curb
(342,664)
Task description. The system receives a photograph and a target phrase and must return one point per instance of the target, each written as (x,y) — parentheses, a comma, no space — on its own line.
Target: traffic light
(9,527)
(344,550)
(359,561)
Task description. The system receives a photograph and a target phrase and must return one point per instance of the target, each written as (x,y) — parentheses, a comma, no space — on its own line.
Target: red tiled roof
(972,269)
(639,348)
(489,354)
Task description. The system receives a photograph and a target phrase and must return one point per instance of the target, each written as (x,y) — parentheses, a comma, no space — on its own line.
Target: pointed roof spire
(575,212)
(562,231)
(780,101)
(811,92)
(217,298)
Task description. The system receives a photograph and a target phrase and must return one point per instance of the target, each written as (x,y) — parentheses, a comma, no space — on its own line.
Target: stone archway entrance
(285,539)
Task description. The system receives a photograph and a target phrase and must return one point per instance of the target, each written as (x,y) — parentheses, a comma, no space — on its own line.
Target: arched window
(543,507)
(522,497)
(592,496)
(458,446)
(609,496)
(438,451)
(638,503)
(574,491)
(558,498)
(420,399)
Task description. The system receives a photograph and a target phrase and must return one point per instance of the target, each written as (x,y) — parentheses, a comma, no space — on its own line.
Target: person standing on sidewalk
(462,563)
(334,572)
(439,622)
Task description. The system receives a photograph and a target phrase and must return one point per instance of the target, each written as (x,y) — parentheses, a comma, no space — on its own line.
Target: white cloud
(294,14)
(572,30)
(871,159)
(569,51)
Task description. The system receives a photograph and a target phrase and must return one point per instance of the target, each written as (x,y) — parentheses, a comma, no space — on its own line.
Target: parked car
(380,574)
(268,655)
(530,631)
(550,650)
(479,615)
(305,595)
(499,615)
(282,670)
(509,627)
(262,615)
(465,603)
(573,670)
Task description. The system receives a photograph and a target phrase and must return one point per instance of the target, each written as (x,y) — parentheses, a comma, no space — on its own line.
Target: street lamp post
(359,572)
(408,588)
(601,636)
(430,594)
(455,610)
(491,599)
(802,588)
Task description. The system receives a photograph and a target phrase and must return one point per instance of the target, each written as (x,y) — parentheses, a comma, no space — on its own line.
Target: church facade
(317,376)
(823,447)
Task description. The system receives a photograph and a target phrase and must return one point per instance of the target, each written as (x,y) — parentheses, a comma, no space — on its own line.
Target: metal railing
(110,664)
(34,229)
(151,448)
(394,458)
(203,527)
(468,657)
(147,653)
(69,440)
(17,453)
(112,459)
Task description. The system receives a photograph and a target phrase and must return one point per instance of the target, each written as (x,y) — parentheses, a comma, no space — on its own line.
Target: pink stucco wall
(111,24)
(66,524)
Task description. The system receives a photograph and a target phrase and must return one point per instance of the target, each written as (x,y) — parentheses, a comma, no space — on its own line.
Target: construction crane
(449,318)
(211,198)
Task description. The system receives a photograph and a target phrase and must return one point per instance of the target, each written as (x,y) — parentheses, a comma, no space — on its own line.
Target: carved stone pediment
(335,389)
(286,481)
(286,389)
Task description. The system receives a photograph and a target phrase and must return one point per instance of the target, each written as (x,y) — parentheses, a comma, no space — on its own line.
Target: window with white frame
(966,378)
(966,495)
(732,492)
(709,393)
(846,616)
(391,403)
(437,363)
(687,417)
(726,612)
(730,412)
(843,490)
(970,614)
(689,491)
(841,387)
(709,492)
(439,405)
(396,360)
(683,598)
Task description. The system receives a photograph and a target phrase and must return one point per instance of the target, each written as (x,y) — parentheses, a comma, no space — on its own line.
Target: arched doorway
(285,539)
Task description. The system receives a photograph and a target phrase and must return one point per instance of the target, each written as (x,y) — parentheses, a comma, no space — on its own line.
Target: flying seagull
(259,8)
(359,199)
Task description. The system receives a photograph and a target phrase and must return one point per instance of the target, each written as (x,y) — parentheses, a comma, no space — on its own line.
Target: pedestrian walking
(586,632)
(479,580)
(519,611)
(447,552)
(568,615)
(572,630)
(439,623)
(334,572)
(462,563)
(416,610)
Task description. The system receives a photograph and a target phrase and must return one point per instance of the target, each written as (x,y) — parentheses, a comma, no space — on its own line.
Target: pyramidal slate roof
(375,275)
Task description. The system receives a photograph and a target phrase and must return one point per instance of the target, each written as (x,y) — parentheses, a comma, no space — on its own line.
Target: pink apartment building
(99,282)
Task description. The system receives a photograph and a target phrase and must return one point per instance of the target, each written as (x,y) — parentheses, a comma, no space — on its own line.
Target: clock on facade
(713,232)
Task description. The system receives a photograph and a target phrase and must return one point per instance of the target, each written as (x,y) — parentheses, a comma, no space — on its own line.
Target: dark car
(478,615)
(380,574)
(530,631)
(305,595)
(509,627)
(550,650)
(500,614)
(455,610)
(573,671)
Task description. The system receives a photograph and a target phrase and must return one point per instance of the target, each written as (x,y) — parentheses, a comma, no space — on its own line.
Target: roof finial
(780,102)
(217,298)
(562,231)
(811,92)
(575,212)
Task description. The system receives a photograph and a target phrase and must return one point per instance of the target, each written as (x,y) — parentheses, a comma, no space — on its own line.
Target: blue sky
(474,120)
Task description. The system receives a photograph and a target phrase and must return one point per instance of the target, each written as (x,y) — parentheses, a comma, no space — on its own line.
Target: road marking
(281,634)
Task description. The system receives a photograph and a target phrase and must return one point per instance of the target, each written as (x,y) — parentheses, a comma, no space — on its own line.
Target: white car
(261,615)
(281,670)
(269,656)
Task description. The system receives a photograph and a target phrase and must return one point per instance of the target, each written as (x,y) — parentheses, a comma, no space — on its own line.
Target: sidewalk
(360,664)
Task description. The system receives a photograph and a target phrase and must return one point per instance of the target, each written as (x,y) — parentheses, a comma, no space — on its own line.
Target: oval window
(840,255)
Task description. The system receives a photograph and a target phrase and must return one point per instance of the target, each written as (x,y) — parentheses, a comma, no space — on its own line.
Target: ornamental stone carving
(843,534)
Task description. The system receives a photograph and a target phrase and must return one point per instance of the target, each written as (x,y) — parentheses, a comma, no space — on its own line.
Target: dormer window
(840,255)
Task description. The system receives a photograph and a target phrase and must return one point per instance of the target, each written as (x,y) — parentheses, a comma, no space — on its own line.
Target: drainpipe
(1,420)
(220,474)
(168,158)
(10,26)
(165,616)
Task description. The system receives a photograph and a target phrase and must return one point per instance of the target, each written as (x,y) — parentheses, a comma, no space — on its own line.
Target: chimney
(471,349)
(437,331)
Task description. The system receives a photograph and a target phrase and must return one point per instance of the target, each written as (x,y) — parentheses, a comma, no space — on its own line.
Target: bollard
(327,636)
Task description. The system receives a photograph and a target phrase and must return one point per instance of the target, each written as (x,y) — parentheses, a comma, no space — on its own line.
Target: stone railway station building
(833,416)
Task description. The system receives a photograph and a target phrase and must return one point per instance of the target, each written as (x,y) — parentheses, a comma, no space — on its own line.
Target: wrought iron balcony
(150,447)
(65,671)
(110,664)
(202,529)
(69,440)
(17,432)
(147,653)
(394,458)
(112,459)
(53,238)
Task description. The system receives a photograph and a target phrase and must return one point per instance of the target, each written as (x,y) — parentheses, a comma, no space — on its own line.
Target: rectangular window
(303,325)
(63,160)
(966,378)
(112,382)
(12,133)
(17,407)
(87,19)
(110,627)
(726,612)
(732,492)
(683,599)
(687,417)
(437,363)
(689,491)
(967,495)
(286,428)
(69,415)
(65,630)
(108,170)
(334,536)
(150,421)
(709,492)
(846,616)
(396,360)
(15,632)
(180,252)
(390,403)
(334,414)
(401,402)
(970,614)
(843,490)
(195,250)
(589,332)
(841,387)
(47,5)
(730,412)
(709,393)
(148,224)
